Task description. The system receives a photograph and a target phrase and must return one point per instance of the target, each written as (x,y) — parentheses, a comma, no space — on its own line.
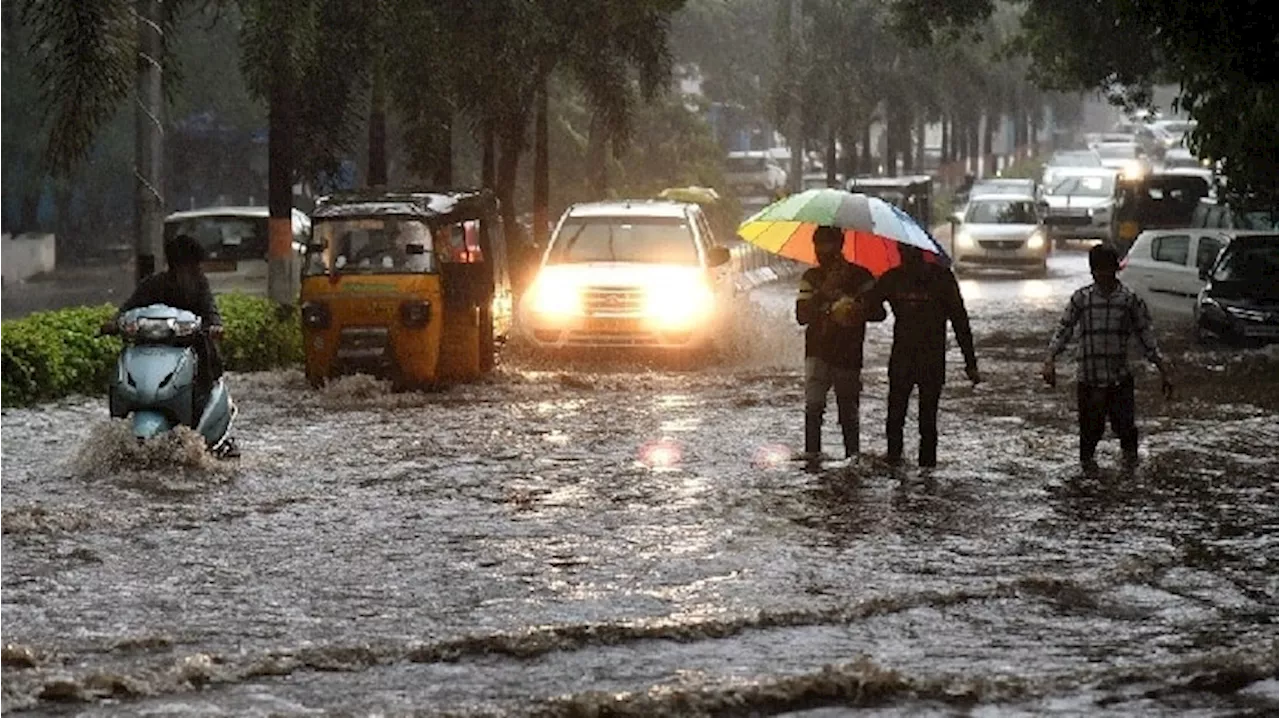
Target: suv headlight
(557,298)
(963,239)
(1036,240)
(678,305)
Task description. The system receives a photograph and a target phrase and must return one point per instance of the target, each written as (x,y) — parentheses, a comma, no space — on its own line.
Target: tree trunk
(920,145)
(442,173)
(488,158)
(945,156)
(989,159)
(849,159)
(377,174)
(149,148)
(975,151)
(280,128)
(597,158)
(832,157)
(890,159)
(541,166)
(507,171)
(864,166)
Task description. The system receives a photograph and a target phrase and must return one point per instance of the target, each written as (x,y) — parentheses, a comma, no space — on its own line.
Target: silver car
(1003,230)
(1081,203)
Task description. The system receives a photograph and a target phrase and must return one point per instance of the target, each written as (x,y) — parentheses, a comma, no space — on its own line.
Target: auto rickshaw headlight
(415,313)
(315,315)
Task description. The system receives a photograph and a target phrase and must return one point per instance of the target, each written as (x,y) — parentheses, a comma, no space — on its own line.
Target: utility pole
(795,121)
(148,170)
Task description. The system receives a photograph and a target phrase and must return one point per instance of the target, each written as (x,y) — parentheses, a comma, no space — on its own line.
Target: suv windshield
(1075,159)
(383,245)
(1090,186)
(1249,259)
(649,240)
(1002,212)
(1117,151)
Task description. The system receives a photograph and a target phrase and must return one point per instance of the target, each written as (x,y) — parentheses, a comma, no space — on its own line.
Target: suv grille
(613,300)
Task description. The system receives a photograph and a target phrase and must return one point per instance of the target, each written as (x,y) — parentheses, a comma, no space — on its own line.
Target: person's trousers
(208,369)
(901,385)
(820,377)
(1097,405)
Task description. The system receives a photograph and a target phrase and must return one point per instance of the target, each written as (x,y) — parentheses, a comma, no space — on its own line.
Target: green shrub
(53,354)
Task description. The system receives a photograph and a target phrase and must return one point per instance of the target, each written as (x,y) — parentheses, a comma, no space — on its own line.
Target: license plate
(611,325)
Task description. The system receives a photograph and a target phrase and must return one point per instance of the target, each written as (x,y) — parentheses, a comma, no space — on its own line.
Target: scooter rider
(184,286)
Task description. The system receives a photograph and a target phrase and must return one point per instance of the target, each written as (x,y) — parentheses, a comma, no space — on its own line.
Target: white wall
(26,255)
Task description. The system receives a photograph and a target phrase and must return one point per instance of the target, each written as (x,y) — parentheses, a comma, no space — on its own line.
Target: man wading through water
(924,297)
(832,339)
(1108,315)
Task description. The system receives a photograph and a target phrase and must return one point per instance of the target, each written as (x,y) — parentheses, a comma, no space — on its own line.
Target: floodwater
(630,540)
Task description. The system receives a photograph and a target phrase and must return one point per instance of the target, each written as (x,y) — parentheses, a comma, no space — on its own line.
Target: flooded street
(632,540)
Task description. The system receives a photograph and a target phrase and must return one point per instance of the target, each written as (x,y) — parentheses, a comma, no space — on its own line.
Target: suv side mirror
(718,256)
(1204,273)
(956,218)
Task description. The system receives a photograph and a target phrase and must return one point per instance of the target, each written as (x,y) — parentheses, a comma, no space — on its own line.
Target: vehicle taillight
(415,313)
(315,315)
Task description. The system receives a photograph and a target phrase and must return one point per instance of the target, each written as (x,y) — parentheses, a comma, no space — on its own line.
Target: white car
(754,174)
(1068,158)
(236,241)
(1002,230)
(1128,158)
(629,273)
(1164,265)
(1081,203)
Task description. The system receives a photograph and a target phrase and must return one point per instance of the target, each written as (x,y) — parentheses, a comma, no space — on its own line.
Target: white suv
(754,174)
(637,273)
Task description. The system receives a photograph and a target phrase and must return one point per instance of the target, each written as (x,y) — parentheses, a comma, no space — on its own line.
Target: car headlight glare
(678,306)
(557,298)
(1036,240)
(963,239)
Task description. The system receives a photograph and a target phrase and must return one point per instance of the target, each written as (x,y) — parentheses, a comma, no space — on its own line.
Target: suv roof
(1003,196)
(632,208)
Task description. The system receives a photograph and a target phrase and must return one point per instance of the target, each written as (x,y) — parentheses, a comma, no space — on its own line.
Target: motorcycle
(155,380)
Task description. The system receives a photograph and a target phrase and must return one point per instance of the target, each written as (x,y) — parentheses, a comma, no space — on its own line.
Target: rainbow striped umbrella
(873,229)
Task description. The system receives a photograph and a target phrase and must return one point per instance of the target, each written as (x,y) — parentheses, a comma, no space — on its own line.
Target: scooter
(155,378)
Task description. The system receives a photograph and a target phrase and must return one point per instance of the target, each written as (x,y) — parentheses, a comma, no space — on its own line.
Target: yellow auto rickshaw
(410,286)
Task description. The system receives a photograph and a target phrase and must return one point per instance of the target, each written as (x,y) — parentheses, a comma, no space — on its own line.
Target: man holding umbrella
(833,339)
(924,297)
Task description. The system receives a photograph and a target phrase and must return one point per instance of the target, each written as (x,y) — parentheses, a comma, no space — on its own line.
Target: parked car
(1000,230)
(1081,203)
(1238,303)
(1164,267)
(818,180)
(1004,185)
(237,242)
(754,174)
(629,274)
(1175,131)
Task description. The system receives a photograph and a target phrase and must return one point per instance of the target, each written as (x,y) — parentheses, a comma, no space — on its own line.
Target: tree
(1219,54)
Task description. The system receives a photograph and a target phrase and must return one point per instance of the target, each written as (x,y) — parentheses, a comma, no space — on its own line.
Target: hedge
(49,355)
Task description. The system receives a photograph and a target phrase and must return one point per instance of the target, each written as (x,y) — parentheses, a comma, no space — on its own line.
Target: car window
(1207,250)
(1220,218)
(1171,248)
(1001,212)
(225,238)
(1249,261)
(662,240)
(1083,186)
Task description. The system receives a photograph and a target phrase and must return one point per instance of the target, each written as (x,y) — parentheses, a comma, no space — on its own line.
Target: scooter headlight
(187,328)
(155,329)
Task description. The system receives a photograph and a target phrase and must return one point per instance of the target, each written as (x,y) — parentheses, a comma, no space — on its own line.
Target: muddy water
(630,539)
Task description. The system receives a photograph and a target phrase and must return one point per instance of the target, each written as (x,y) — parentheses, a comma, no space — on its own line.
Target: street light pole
(148,170)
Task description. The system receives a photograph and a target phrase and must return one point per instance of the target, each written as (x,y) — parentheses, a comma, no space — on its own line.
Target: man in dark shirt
(833,339)
(184,286)
(924,296)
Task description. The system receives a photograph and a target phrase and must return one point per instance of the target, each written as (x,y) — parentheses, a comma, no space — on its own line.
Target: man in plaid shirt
(1107,315)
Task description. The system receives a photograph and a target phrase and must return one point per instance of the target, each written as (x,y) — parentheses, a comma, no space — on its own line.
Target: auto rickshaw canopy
(446,205)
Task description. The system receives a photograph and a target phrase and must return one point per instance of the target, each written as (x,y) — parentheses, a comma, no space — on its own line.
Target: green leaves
(49,355)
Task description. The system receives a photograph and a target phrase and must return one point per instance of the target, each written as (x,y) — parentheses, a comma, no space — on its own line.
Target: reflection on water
(632,540)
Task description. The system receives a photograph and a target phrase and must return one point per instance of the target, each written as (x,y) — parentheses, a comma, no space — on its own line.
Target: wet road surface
(623,539)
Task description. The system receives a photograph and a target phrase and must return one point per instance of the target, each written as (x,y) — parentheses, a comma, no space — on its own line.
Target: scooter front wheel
(148,424)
